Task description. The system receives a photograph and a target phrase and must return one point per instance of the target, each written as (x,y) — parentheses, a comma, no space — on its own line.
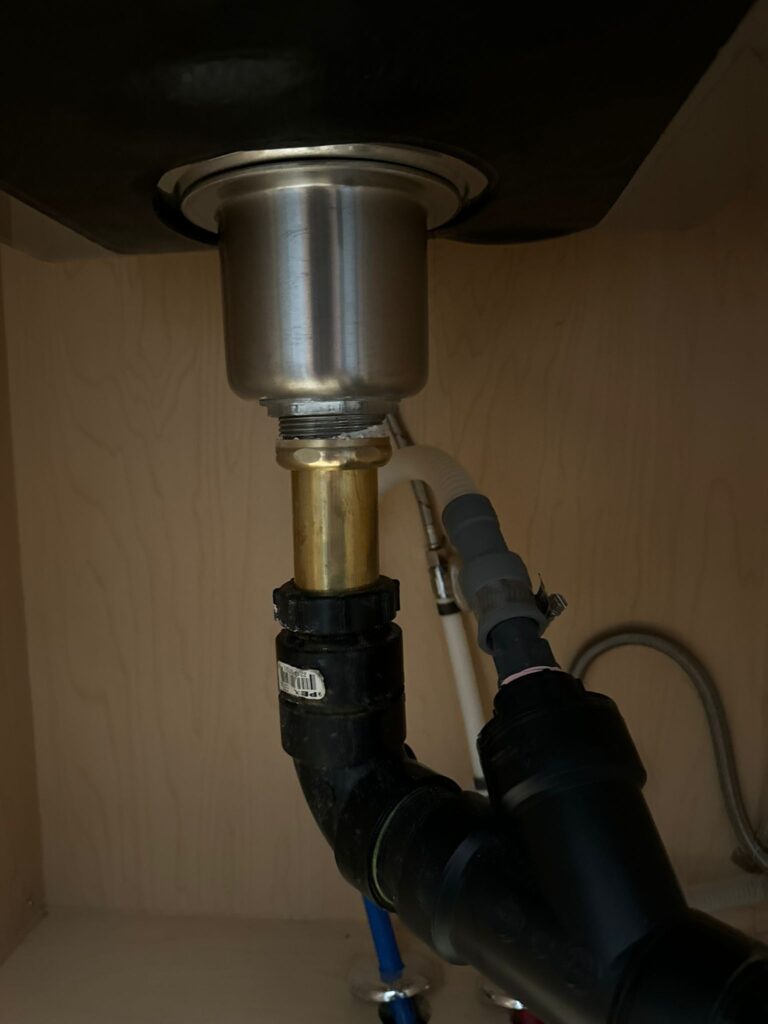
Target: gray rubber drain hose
(717,721)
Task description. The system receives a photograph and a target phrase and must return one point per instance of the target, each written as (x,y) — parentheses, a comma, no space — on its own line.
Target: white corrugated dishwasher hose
(444,476)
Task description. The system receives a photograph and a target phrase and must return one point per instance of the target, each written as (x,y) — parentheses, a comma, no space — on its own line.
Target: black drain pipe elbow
(342,716)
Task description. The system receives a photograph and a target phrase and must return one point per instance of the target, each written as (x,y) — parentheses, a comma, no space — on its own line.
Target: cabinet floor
(95,967)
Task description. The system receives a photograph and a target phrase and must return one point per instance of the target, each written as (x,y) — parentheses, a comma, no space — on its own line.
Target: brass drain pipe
(335,510)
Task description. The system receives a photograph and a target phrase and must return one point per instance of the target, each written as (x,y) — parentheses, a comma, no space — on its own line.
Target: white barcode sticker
(300,682)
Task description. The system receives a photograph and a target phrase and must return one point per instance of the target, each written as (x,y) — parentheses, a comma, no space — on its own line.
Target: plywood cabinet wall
(21,881)
(607,390)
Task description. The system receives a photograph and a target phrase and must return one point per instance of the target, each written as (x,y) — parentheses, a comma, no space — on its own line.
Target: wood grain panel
(608,390)
(21,882)
(154,525)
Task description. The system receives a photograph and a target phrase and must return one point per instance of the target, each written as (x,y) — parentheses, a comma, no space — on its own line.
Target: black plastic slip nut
(358,611)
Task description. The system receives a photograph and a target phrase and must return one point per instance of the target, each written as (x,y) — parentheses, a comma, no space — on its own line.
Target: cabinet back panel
(607,390)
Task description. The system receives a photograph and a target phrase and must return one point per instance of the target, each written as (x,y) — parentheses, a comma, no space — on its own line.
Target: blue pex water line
(390,963)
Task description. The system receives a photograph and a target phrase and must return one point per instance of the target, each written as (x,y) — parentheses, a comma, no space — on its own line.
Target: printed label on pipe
(306,683)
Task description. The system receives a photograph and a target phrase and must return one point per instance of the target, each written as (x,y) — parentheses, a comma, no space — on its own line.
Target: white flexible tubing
(447,480)
(438,470)
(466,685)
(729,894)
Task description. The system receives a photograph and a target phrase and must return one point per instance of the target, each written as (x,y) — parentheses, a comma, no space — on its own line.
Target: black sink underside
(559,102)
